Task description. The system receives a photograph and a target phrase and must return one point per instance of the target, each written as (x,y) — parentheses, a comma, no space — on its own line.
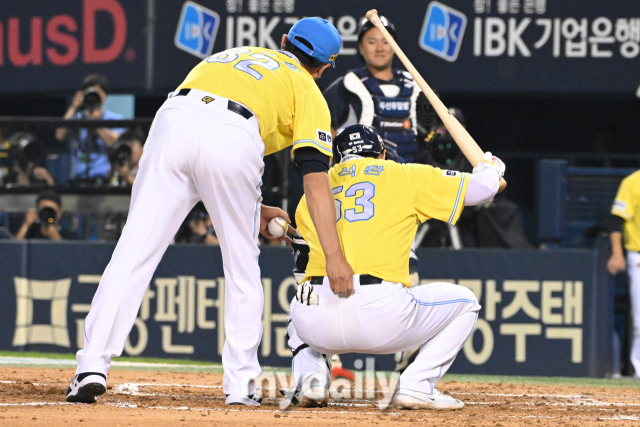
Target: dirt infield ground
(36,396)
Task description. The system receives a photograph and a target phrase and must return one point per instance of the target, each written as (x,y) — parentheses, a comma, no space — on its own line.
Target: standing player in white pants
(207,142)
(378,205)
(626,217)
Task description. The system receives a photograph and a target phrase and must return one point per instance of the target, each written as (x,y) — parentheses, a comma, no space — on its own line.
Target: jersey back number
(258,59)
(363,192)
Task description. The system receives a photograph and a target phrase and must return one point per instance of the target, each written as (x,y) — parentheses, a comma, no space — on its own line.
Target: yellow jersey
(283,95)
(379,204)
(626,205)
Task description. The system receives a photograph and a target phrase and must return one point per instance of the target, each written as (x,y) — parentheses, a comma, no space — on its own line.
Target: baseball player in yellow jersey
(207,142)
(626,217)
(378,206)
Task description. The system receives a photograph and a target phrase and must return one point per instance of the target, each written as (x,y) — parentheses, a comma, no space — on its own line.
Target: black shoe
(86,387)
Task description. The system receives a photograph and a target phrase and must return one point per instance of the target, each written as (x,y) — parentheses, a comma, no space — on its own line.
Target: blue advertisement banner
(543,312)
(459,46)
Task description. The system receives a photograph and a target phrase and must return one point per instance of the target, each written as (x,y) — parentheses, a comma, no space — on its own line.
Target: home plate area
(36,396)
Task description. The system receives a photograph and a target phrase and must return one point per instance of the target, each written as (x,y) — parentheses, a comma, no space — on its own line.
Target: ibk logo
(442,31)
(197,29)
(60,40)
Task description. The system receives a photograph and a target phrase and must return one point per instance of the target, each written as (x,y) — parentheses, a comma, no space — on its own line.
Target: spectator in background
(89,159)
(626,217)
(27,161)
(43,223)
(197,227)
(125,157)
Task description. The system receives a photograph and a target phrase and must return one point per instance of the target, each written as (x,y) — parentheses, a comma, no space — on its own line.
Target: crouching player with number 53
(378,206)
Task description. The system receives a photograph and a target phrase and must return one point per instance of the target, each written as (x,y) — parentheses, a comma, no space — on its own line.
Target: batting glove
(305,294)
(489,161)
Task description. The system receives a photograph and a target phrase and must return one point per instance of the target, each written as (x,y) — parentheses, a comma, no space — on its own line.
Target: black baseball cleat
(86,387)
(239,399)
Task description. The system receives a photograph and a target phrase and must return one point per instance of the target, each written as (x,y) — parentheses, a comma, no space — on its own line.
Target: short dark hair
(132,135)
(304,58)
(95,80)
(49,195)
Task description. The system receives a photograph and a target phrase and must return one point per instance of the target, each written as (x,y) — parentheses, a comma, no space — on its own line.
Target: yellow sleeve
(312,122)
(437,193)
(626,203)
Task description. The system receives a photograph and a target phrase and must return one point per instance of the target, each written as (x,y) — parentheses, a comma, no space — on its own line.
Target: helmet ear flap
(337,156)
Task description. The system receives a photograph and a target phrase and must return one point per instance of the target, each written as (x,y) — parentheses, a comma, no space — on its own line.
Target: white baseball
(278,226)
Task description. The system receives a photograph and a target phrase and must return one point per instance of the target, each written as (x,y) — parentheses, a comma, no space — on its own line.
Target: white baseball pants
(382,319)
(633,267)
(194,151)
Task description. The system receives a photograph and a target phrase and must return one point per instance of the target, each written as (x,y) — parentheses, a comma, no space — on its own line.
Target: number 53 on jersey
(365,208)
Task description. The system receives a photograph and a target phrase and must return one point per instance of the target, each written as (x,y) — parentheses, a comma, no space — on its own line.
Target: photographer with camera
(43,223)
(197,228)
(124,157)
(89,159)
(26,162)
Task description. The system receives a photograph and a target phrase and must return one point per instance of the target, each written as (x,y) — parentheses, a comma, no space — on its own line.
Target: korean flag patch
(324,137)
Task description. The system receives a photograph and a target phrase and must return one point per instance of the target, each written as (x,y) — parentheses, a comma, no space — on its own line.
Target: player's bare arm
(616,263)
(321,207)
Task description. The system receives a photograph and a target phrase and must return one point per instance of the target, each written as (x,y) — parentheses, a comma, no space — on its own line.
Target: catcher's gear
(489,161)
(358,140)
(392,151)
(305,294)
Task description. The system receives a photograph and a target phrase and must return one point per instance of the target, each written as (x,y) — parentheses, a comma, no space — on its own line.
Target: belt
(365,279)
(231,106)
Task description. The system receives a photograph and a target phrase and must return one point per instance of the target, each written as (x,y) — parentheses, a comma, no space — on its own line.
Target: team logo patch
(442,31)
(207,99)
(333,58)
(197,28)
(451,173)
(353,136)
(324,136)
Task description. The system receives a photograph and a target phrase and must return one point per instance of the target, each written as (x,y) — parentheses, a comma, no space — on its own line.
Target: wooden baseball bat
(467,144)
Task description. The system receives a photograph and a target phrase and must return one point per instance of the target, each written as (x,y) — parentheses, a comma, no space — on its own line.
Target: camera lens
(120,155)
(92,100)
(47,215)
